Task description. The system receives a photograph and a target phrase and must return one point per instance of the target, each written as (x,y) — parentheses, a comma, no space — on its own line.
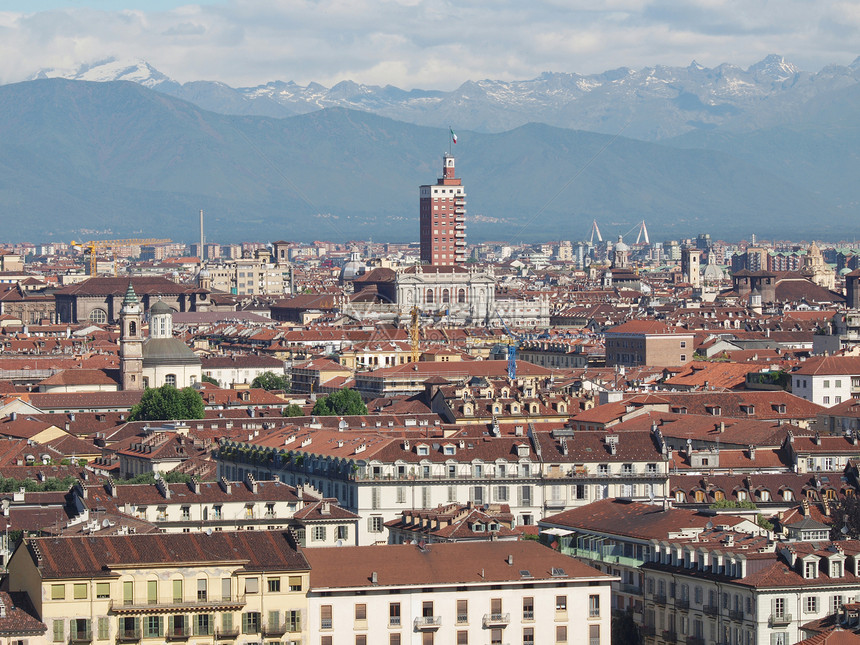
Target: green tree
(625,631)
(271,381)
(208,379)
(166,402)
(293,410)
(344,402)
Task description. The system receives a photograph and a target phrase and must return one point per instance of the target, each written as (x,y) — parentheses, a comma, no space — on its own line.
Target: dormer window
(836,569)
(603,469)
(748,409)
(810,569)
(422,450)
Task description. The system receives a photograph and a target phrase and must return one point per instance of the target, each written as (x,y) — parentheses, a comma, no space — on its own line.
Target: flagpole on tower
(451,141)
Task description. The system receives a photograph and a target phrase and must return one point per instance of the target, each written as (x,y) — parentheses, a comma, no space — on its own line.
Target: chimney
(510,559)
(225,485)
(374,579)
(752,452)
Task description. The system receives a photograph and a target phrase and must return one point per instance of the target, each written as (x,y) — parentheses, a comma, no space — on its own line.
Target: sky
(429,44)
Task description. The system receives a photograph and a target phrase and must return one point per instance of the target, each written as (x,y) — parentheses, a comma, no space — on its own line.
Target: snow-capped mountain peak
(774,66)
(111,69)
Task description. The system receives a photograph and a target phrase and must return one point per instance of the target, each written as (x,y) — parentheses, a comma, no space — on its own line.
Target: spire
(130,296)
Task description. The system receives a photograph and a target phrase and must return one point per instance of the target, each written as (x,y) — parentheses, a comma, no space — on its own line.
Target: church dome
(160,308)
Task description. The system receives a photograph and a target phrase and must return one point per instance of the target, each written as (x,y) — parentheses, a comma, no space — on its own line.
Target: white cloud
(428,43)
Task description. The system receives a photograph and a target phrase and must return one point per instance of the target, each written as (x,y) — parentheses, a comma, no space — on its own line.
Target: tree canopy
(271,381)
(293,410)
(345,402)
(166,402)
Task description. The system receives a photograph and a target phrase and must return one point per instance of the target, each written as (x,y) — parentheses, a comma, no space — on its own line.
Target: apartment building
(648,342)
(222,506)
(378,476)
(456,594)
(239,587)
(827,380)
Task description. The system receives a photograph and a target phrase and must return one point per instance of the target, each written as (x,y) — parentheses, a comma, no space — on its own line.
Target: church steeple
(131,341)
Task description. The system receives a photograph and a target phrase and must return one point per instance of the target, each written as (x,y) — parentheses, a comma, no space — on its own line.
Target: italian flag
(453,136)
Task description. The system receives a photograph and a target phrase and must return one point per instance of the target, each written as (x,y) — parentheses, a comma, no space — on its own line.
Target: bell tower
(131,341)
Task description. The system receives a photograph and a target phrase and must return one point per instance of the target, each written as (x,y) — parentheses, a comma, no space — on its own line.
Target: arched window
(719,495)
(170,379)
(446,296)
(98,316)
(461,296)
(132,328)
(429,298)
(700,496)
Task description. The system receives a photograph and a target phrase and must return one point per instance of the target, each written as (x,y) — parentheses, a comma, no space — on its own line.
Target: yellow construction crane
(94,245)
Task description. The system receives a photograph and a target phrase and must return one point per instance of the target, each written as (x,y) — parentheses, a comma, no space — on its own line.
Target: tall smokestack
(202,241)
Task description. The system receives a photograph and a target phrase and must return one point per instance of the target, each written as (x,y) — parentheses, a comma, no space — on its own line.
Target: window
(811,604)
(128,592)
(325,640)
(251,622)
(826,400)
(501,493)
(683,357)
(374,524)
(79,591)
(528,608)
(202,589)
(779,607)
(810,569)
(325,617)
(80,629)
(319,534)
(170,379)
(462,637)
(342,532)
(361,639)
(561,603)
(59,628)
(152,627)
(462,611)
(295,583)
(394,614)
(835,604)
(102,590)
(594,635)
(394,639)
(274,584)
(103,628)
(177,591)
(98,316)
(528,636)
(58,592)
(561,634)
(826,383)
(361,611)
(203,624)
(594,606)
(252,585)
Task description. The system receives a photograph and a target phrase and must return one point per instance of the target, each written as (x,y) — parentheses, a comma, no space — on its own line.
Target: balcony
(128,635)
(170,605)
(711,610)
(779,620)
(177,634)
(424,623)
(648,630)
(681,603)
(659,598)
(273,629)
(695,640)
(226,634)
(81,636)
(670,636)
(496,620)
(736,614)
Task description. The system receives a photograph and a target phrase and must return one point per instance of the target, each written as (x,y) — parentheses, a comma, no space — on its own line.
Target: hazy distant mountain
(651,103)
(120,159)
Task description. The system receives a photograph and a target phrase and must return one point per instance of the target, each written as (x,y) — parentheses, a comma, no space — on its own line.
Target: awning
(558,532)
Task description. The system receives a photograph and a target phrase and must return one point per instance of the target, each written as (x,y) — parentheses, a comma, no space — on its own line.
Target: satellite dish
(844,530)
(339,543)
(709,525)
(208,531)
(689,441)
(105,523)
(651,496)
(414,542)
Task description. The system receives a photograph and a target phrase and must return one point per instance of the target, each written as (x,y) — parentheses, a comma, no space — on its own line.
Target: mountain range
(116,152)
(651,103)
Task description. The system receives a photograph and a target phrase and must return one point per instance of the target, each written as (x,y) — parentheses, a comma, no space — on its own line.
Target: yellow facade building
(226,587)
